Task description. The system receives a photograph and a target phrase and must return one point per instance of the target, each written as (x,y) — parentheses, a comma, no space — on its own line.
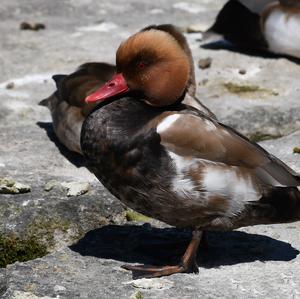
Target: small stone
(32,26)
(9,186)
(76,188)
(25,26)
(58,288)
(8,190)
(203,82)
(39,26)
(23,188)
(9,182)
(50,185)
(296,150)
(242,71)
(10,85)
(204,63)
(194,28)
(152,283)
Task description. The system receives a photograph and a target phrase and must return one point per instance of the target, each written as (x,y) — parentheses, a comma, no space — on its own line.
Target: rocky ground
(257,95)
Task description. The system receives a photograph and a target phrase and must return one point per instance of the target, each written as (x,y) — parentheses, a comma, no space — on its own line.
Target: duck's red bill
(116,86)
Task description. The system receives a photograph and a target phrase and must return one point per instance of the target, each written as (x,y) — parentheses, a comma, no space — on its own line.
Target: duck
(68,108)
(173,162)
(271,26)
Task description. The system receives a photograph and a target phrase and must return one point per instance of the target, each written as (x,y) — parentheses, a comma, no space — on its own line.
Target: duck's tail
(47,102)
(44,102)
(278,205)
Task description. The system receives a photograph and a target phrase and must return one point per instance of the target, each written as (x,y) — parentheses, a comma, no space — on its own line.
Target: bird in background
(272,26)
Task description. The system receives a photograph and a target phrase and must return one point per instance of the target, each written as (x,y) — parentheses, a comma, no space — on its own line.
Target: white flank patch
(167,123)
(181,184)
(189,7)
(227,183)
(28,79)
(282,33)
(103,27)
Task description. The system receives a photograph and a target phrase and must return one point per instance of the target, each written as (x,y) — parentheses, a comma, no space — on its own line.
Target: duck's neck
(126,116)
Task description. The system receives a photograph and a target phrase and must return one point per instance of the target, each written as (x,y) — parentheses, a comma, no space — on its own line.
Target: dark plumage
(173,162)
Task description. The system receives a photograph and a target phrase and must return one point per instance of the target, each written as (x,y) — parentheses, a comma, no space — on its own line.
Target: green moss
(13,248)
(44,229)
(296,150)
(138,295)
(246,89)
(135,216)
(259,136)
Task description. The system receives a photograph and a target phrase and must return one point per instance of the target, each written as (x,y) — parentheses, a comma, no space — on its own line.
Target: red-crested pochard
(273,26)
(67,105)
(171,161)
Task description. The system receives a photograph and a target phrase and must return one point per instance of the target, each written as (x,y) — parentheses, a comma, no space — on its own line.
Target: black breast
(124,154)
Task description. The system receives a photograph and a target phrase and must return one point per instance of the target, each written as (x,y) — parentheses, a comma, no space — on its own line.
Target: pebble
(151,284)
(10,85)
(32,26)
(58,288)
(296,150)
(195,28)
(76,188)
(10,186)
(242,71)
(204,63)
(50,185)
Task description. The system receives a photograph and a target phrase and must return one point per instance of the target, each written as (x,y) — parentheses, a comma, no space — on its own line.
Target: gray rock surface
(262,101)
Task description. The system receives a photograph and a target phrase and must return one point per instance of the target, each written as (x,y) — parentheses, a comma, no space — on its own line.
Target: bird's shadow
(226,45)
(73,157)
(161,246)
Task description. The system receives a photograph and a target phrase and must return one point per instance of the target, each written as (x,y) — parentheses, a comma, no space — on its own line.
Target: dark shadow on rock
(148,245)
(225,45)
(73,157)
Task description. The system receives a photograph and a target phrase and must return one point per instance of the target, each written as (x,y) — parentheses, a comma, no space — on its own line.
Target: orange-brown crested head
(153,63)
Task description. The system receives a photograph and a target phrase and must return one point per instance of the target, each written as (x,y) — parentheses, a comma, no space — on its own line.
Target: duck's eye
(141,65)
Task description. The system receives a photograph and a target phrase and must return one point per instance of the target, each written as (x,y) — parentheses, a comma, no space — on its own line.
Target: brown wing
(201,137)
